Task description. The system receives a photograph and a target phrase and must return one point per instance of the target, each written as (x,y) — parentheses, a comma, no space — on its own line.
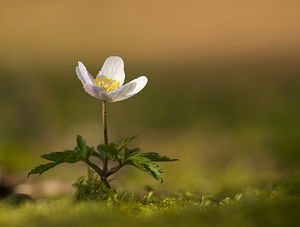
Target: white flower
(108,85)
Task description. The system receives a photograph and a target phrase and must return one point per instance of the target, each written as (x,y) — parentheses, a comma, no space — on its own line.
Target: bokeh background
(223,92)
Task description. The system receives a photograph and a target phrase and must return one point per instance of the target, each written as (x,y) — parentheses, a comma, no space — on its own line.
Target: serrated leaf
(81,145)
(80,153)
(155,172)
(96,154)
(124,143)
(90,151)
(111,151)
(65,156)
(145,165)
(130,152)
(42,168)
(101,152)
(155,157)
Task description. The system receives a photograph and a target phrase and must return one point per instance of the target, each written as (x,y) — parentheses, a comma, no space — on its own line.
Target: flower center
(107,84)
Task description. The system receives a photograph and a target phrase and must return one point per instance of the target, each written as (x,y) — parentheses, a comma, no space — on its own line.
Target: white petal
(97,92)
(83,74)
(122,91)
(129,89)
(113,67)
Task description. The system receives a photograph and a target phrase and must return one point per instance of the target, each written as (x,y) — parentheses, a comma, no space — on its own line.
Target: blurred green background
(223,92)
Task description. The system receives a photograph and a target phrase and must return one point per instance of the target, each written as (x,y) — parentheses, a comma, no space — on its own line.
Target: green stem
(95,167)
(114,169)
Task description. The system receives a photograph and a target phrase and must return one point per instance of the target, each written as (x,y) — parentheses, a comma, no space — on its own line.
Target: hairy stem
(104,122)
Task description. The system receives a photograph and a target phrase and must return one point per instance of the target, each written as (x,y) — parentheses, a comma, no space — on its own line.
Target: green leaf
(42,168)
(155,157)
(145,165)
(57,158)
(101,152)
(111,151)
(130,152)
(124,143)
(80,153)
(65,156)
(81,145)
(97,154)
(90,151)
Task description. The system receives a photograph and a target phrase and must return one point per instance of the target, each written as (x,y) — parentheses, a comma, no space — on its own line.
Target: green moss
(270,205)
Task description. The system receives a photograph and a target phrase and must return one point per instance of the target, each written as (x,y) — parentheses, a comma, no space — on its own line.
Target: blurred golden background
(223,92)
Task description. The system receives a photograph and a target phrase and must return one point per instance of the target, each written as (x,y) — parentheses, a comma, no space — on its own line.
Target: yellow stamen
(97,81)
(114,83)
(106,84)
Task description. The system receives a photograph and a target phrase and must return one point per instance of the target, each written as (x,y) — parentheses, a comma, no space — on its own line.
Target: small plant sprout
(107,87)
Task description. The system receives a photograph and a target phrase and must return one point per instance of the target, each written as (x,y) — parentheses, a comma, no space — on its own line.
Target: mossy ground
(276,205)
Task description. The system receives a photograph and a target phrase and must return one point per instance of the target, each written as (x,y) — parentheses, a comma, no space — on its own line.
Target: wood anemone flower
(108,85)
